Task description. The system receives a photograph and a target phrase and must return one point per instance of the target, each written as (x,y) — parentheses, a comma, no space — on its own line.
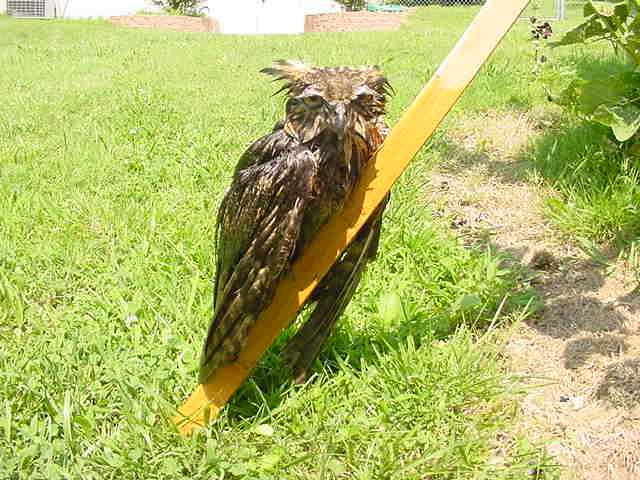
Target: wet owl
(284,188)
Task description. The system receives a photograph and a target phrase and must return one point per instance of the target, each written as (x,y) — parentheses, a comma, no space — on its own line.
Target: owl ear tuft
(291,71)
(287,69)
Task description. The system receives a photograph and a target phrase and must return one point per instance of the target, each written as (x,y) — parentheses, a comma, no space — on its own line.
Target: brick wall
(354,21)
(172,22)
(326,22)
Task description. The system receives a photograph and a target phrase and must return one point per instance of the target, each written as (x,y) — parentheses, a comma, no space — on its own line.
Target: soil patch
(580,353)
(354,21)
(168,22)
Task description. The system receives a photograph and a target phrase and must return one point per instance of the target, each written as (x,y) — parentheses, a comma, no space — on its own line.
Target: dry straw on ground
(580,352)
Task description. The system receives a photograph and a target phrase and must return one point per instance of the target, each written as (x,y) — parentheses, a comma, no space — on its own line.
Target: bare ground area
(580,352)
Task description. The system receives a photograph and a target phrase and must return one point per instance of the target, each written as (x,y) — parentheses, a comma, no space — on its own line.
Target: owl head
(337,101)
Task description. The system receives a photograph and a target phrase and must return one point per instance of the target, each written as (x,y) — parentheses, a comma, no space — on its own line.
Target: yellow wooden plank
(407,137)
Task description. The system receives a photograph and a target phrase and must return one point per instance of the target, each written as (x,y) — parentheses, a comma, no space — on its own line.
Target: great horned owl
(285,187)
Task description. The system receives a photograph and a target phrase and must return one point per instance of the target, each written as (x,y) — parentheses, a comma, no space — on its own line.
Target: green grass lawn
(116,146)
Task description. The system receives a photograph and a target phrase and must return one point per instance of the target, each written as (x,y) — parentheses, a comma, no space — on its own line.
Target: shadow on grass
(578,351)
(583,164)
(598,183)
(348,345)
(590,67)
(621,384)
(272,380)
(508,173)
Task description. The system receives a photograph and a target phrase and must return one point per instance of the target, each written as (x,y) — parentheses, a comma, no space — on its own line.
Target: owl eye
(312,101)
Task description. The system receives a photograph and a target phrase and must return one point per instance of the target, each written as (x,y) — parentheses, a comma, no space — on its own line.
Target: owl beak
(340,120)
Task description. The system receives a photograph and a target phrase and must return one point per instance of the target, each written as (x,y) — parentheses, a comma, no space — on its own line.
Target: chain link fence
(546,10)
(540,9)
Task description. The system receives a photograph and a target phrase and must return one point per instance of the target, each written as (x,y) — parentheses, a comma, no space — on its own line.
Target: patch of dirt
(580,353)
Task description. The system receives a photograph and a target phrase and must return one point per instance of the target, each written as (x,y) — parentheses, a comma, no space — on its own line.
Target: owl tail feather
(304,347)
(332,296)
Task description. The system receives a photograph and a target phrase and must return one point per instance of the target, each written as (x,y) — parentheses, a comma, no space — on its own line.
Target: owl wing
(337,287)
(332,296)
(258,225)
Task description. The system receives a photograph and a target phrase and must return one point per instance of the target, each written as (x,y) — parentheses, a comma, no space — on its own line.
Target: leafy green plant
(179,7)
(540,34)
(353,4)
(613,101)
(150,12)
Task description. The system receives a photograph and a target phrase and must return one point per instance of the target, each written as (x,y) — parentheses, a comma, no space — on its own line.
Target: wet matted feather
(285,186)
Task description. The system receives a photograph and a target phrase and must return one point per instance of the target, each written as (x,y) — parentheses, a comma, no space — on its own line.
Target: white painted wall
(258,16)
(3,6)
(281,16)
(267,16)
